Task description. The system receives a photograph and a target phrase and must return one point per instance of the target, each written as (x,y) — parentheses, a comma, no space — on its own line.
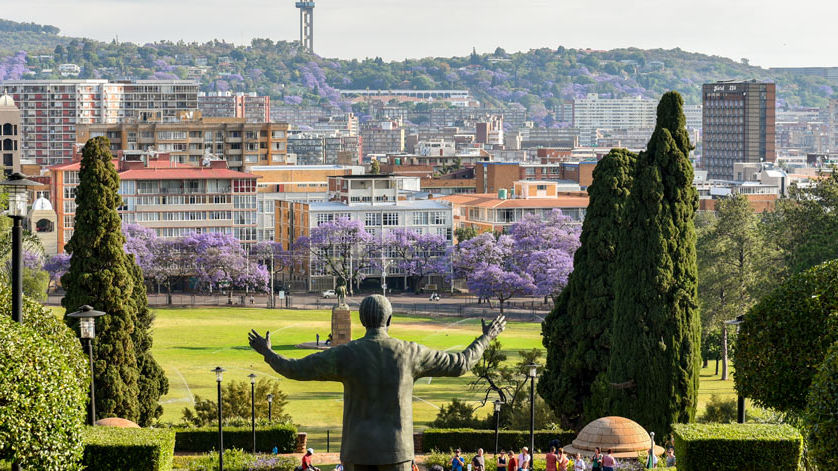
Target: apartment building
(385,137)
(193,139)
(9,135)
(496,211)
(491,177)
(51,109)
(325,147)
(170,197)
(251,107)
(379,201)
(738,125)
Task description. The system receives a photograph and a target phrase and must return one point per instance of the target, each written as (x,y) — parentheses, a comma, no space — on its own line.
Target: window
(372,219)
(278,134)
(420,218)
(146,187)
(70,206)
(244,202)
(71,178)
(69,220)
(171,135)
(438,218)
(244,186)
(321,218)
(390,219)
(541,187)
(70,192)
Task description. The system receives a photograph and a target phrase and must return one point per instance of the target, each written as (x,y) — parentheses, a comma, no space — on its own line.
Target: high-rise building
(386,137)
(324,148)
(592,113)
(192,141)
(9,135)
(737,125)
(253,108)
(51,109)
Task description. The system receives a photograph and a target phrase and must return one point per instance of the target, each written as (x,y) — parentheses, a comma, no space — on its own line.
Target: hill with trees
(539,79)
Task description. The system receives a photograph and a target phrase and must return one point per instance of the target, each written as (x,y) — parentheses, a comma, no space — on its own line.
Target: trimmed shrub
(785,337)
(236,460)
(128,449)
(723,447)
(43,389)
(471,440)
(443,458)
(822,412)
(200,440)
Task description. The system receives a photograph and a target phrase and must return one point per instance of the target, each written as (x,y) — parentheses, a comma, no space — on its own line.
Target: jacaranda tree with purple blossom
(57,266)
(343,249)
(417,255)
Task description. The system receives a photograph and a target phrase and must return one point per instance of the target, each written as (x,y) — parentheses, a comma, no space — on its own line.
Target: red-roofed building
(172,198)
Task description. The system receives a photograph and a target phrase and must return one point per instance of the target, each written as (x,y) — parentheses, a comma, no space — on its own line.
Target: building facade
(171,198)
(325,148)
(194,140)
(51,109)
(253,108)
(738,125)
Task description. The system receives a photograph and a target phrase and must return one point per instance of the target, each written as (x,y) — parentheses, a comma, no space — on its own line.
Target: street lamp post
(497,424)
(87,331)
(270,406)
(740,400)
(219,375)
(532,373)
(252,377)
(17,186)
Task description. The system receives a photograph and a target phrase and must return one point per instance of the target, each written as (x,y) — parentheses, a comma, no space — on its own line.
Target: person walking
(596,460)
(457,462)
(524,461)
(511,462)
(478,463)
(578,463)
(608,461)
(501,465)
(551,459)
(563,461)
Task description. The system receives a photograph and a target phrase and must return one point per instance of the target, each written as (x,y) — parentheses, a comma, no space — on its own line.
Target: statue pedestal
(341,325)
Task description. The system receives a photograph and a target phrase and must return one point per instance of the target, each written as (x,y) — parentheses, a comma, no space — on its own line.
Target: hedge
(127,449)
(201,440)
(749,447)
(471,440)
(822,412)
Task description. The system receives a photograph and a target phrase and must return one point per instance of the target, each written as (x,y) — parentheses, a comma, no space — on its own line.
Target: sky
(769,33)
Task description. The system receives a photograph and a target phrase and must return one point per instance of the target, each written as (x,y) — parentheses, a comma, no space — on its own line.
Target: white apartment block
(51,109)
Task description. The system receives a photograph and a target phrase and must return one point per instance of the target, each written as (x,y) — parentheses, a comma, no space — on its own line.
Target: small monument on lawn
(341,319)
(377,372)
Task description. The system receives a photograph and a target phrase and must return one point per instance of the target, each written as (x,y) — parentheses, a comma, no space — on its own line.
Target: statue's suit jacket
(377,372)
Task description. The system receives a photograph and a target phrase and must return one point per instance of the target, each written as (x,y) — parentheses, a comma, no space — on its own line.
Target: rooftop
(491,200)
(403,204)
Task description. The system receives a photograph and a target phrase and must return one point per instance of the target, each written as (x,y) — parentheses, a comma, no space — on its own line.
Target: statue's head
(375,312)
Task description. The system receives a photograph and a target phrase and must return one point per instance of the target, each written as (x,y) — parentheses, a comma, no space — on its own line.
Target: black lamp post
(740,400)
(497,424)
(270,406)
(17,186)
(252,377)
(532,373)
(87,330)
(219,375)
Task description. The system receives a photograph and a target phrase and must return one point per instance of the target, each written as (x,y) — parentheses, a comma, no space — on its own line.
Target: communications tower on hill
(306,25)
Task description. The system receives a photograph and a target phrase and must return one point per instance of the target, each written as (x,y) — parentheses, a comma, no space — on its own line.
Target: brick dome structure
(624,437)
(116,422)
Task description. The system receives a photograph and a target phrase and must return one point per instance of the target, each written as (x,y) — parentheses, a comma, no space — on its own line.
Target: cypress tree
(655,356)
(575,332)
(101,275)
(152,381)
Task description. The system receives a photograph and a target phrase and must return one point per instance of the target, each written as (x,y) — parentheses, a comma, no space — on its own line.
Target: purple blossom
(417,255)
(140,242)
(57,266)
(33,260)
(164,76)
(292,99)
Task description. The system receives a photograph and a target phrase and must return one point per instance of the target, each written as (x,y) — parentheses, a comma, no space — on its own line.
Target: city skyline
(767,33)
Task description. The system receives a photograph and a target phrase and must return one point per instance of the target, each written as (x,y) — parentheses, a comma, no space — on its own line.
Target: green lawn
(188,343)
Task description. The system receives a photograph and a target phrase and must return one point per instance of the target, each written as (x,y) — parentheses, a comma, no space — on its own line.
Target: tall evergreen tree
(101,275)
(575,332)
(655,356)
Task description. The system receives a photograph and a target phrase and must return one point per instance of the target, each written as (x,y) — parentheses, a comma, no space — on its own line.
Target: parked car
(329,293)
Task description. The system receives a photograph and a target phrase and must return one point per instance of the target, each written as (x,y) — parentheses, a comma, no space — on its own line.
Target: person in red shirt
(512,462)
(551,459)
(306,465)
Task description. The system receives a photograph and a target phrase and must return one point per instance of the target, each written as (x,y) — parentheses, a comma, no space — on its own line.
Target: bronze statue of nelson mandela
(377,372)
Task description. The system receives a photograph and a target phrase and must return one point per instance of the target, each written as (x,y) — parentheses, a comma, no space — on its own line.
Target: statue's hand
(495,327)
(259,343)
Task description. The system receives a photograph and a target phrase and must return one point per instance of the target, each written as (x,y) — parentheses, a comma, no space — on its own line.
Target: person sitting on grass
(306,465)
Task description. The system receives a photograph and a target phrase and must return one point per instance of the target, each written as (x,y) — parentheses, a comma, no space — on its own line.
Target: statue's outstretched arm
(437,363)
(318,367)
